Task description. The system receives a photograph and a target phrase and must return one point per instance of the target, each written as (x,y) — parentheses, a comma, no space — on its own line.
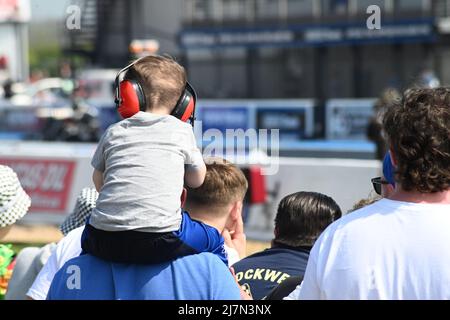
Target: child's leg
(133,246)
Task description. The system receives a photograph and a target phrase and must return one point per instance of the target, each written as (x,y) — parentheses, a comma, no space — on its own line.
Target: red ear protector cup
(189,110)
(132,98)
(129,96)
(185,107)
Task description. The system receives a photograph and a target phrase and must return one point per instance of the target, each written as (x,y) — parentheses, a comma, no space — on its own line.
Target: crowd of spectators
(391,246)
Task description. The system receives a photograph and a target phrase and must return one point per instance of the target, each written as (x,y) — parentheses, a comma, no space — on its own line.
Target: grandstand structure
(276,48)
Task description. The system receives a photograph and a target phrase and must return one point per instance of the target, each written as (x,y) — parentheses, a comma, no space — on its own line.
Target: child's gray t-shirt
(143,160)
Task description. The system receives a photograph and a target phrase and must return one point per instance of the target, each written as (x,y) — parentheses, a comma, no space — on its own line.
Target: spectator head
(14,201)
(302,216)
(162,79)
(418,131)
(86,202)
(221,193)
(387,98)
(364,203)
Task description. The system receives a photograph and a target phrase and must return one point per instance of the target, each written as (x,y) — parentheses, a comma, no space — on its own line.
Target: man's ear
(275,232)
(235,213)
(236,210)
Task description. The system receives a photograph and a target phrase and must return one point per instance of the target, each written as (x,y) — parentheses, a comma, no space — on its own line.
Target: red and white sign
(48,182)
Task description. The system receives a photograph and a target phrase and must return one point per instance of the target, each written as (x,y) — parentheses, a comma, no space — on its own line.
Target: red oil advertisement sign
(48,182)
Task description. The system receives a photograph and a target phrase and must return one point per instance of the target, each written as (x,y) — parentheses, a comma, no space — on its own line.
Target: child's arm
(195,168)
(97,177)
(194,176)
(98,162)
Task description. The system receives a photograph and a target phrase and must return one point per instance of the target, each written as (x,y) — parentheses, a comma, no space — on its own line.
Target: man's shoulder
(81,261)
(71,242)
(81,266)
(200,259)
(205,264)
(362,215)
(257,256)
(357,222)
(272,255)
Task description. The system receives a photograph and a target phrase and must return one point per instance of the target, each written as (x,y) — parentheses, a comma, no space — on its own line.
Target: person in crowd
(217,202)
(395,248)
(14,204)
(68,247)
(300,219)
(29,263)
(375,129)
(383,186)
(139,167)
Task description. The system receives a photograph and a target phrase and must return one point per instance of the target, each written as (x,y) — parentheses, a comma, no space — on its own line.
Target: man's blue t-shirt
(201,237)
(263,271)
(195,277)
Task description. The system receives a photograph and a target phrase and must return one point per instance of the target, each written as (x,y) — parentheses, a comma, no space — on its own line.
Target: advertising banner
(347,119)
(419,30)
(294,118)
(224,117)
(47,182)
(20,120)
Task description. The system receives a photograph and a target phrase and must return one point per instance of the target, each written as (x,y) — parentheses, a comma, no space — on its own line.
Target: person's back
(395,248)
(263,271)
(196,277)
(388,250)
(300,219)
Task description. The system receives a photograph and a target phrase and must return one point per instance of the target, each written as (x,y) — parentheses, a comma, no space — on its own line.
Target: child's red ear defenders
(130,99)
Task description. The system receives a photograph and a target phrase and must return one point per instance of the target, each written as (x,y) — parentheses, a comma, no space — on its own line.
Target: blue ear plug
(388,169)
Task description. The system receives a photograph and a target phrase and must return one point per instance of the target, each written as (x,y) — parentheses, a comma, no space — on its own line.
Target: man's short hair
(224,184)
(418,131)
(162,79)
(302,216)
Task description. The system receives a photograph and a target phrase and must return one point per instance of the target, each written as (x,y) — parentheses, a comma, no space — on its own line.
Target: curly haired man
(396,248)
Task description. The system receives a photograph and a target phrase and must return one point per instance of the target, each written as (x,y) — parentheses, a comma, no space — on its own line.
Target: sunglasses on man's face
(377,182)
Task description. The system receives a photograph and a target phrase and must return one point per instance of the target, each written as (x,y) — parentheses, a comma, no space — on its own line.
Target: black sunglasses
(377,182)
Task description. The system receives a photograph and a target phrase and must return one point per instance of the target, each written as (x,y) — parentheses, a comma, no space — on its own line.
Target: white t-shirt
(70,247)
(67,248)
(388,250)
